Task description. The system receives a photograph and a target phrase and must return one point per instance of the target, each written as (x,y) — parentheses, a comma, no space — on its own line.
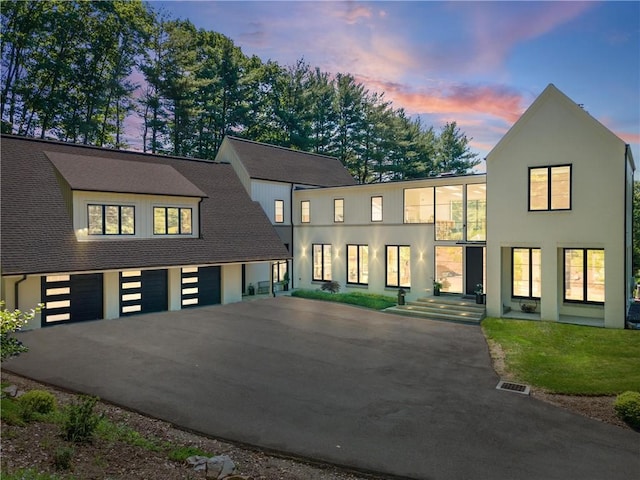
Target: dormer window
(111,220)
(172,221)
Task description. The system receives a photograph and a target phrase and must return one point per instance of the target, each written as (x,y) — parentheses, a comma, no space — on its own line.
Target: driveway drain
(513,387)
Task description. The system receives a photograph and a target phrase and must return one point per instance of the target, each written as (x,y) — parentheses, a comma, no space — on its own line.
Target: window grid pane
(560,188)
(185,221)
(127,218)
(305,211)
(595,275)
(326,253)
(574,274)
(338,210)
(538,189)
(95,220)
(418,205)
(449,212)
(159,221)
(477,212)
(279,211)
(112,220)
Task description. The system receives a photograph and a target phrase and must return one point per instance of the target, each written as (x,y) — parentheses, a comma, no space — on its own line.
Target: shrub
(10,412)
(181,454)
(62,458)
(332,286)
(627,407)
(80,422)
(36,401)
(11,322)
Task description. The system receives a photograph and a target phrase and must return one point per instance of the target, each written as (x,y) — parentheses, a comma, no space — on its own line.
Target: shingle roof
(101,174)
(37,230)
(270,162)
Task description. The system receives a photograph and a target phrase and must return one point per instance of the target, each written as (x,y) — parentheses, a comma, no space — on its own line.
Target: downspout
(291,275)
(16,292)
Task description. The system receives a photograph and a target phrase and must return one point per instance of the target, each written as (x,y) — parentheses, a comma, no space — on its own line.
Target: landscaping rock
(218,467)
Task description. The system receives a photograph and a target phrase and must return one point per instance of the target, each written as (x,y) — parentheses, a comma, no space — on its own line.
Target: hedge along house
(270,174)
(559,216)
(96,233)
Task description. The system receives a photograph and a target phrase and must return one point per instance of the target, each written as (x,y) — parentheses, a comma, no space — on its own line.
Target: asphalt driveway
(341,384)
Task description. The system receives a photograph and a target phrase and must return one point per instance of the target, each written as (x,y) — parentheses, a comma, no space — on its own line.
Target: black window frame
(358,262)
(549,168)
(166,221)
(104,223)
(530,249)
(334,210)
(322,263)
(275,210)
(386,266)
(381,208)
(585,292)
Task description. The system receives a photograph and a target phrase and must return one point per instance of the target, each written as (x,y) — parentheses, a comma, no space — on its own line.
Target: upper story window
(305,211)
(111,220)
(477,212)
(550,188)
(172,221)
(279,211)
(376,209)
(449,212)
(338,210)
(418,205)
(584,275)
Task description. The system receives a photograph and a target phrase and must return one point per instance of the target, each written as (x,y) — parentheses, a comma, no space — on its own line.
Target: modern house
(97,233)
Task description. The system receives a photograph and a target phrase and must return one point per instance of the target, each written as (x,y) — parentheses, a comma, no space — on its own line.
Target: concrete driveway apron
(341,384)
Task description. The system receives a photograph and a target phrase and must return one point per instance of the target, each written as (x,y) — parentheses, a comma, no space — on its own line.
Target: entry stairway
(450,308)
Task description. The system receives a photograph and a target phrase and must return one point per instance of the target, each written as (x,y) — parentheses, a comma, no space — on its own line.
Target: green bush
(627,407)
(332,286)
(62,458)
(12,321)
(10,412)
(181,454)
(80,422)
(36,402)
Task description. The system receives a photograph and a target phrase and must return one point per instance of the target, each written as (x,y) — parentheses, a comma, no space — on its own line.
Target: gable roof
(37,229)
(551,94)
(269,162)
(103,174)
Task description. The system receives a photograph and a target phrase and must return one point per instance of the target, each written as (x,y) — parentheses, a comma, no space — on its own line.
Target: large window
(305,214)
(449,212)
(584,275)
(449,268)
(111,220)
(526,274)
(358,264)
(278,216)
(398,266)
(321,262)
(477,212)
(550,188)
(418,205)
(338,210)
(172,221)
(376,209)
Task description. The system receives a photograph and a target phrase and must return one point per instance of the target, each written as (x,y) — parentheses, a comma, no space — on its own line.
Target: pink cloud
(497,101)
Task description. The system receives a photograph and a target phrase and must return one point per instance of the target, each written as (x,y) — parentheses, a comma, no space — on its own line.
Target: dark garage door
(72,298)
(200,286)
(143,291)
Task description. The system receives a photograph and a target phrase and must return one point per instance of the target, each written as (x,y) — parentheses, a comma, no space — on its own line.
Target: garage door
(200,286)
(143,291)
(72,298)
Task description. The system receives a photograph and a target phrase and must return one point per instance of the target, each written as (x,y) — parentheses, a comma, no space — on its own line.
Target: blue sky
(478,63)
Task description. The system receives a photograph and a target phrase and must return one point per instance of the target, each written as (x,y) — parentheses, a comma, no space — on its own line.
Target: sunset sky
(478,63)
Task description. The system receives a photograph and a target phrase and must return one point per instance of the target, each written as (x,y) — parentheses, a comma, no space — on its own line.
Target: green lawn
(568,359)
(377,302)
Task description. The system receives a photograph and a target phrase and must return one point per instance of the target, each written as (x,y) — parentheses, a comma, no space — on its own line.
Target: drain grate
(513,387)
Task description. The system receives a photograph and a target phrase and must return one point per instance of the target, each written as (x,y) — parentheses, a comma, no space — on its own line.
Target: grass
(181,454)
(368,300)
(31,474)
(118,432)
(568,359)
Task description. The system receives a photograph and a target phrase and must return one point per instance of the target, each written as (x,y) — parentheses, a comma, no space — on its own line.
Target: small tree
(11,322)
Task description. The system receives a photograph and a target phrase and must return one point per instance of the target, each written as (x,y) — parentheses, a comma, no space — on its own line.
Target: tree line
(77,70)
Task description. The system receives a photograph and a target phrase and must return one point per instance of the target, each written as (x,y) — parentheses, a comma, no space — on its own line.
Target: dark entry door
(209,285)
(474,268)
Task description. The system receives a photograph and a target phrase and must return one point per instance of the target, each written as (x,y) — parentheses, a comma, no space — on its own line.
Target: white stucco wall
(555,131)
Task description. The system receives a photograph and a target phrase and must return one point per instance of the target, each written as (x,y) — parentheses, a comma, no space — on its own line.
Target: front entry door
(474,259)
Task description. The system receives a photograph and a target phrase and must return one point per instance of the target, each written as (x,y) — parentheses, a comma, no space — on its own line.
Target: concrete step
(439,308)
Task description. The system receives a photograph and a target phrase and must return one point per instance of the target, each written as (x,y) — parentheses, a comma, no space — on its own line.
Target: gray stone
(220,467)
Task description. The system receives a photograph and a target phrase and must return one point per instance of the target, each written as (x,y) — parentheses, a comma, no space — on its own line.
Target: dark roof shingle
(270,162)
(37,229)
